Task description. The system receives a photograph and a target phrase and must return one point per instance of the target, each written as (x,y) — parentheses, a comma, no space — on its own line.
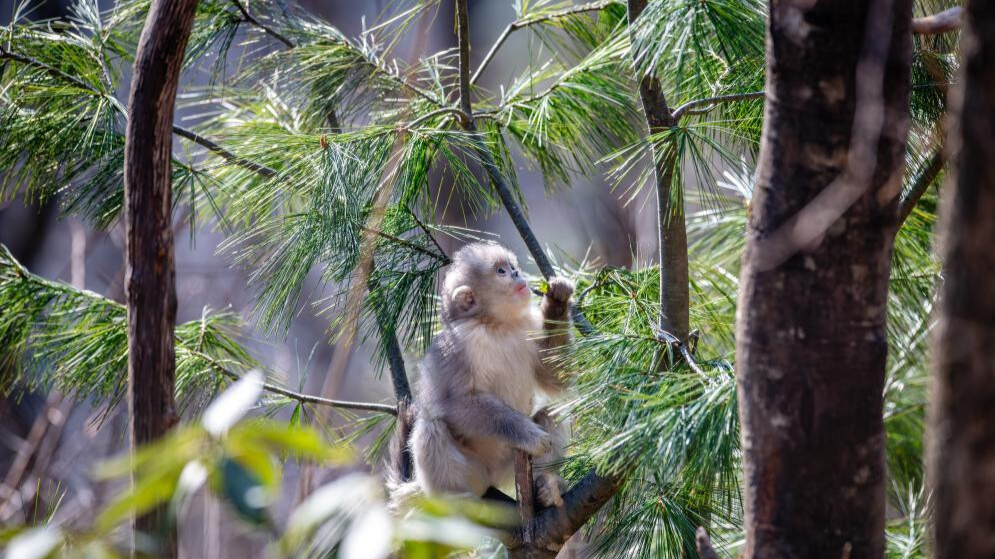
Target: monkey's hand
(549,489)
(556,301)
(560,290)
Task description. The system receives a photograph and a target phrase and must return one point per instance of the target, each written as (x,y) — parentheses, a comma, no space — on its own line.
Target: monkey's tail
(399,470)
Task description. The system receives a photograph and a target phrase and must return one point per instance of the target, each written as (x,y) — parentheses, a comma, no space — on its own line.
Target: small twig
(307,398)
(529,21)
(406,243)
(942,22)
(229,156)
(709,103)
(431,237)
(269,31)
(445,110)
(704,544)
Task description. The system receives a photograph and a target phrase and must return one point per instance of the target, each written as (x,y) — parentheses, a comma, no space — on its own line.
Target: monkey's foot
(548,488)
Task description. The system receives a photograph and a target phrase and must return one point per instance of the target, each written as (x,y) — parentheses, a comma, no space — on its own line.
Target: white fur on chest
(502,363)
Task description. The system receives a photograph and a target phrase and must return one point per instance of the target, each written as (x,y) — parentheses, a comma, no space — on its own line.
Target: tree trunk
(963,413)
(148,217)
(812,308)
(672,232)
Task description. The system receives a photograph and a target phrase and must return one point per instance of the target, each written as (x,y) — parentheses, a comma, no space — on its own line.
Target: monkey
(479,378)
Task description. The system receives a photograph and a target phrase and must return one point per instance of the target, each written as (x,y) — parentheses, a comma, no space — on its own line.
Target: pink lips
(521,288)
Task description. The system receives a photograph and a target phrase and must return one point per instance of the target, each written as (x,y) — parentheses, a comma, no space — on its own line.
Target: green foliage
(55,336)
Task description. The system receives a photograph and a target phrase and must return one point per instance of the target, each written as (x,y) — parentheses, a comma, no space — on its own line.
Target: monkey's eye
(501,271)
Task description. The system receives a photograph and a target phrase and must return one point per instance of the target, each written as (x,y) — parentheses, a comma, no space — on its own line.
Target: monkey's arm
(555,333)
(483,415)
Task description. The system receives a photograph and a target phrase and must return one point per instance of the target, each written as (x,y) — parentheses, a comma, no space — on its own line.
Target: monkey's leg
(440,465)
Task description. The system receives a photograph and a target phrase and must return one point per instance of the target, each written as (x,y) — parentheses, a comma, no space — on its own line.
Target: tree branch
(553,526)
(942,22)
(710,102)
(922,183)
(672,231)
(529,21)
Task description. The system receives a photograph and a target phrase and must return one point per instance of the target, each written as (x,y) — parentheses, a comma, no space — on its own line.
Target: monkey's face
(485,281)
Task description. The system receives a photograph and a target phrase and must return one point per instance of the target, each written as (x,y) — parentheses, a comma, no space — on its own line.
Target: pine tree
(321,157)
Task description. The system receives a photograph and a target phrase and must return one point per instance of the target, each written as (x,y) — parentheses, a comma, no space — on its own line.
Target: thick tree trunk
(963,413)
(811,328)
(148,201)
(672,232)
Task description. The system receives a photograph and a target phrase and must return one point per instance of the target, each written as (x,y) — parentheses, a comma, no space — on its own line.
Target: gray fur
(476,391)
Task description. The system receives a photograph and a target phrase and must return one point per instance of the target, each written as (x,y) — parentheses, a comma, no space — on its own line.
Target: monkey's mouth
(522,288)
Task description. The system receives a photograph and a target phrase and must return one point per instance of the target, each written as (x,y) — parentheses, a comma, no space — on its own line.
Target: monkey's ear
(464,298)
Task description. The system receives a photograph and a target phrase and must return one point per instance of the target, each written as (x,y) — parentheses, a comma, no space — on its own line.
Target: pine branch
(178,130)
(671,227)
(922,183)
(533,20)
(709,103)
(12,271)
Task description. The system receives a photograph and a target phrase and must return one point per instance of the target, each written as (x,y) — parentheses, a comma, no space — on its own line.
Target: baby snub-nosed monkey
(478,381)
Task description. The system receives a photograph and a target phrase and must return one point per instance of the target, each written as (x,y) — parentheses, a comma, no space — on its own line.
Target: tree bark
(672,232)
(963,408)
(811,328)
(148,217)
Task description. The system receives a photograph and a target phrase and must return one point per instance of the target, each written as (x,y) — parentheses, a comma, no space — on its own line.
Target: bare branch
(269,31)
(942,22)
(529,21)
(691,107)
(922,183)
(304,398)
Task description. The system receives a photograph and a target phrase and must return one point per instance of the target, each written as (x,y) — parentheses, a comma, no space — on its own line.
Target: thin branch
(229,156)
(305,398)
(445,110)
(922,183)
(709,103)
(55,72)
(942,22)
(406,243)
(431,237)
(529,21)
(269,31)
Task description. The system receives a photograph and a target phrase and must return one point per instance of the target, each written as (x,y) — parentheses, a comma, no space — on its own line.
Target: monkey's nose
(514,274)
